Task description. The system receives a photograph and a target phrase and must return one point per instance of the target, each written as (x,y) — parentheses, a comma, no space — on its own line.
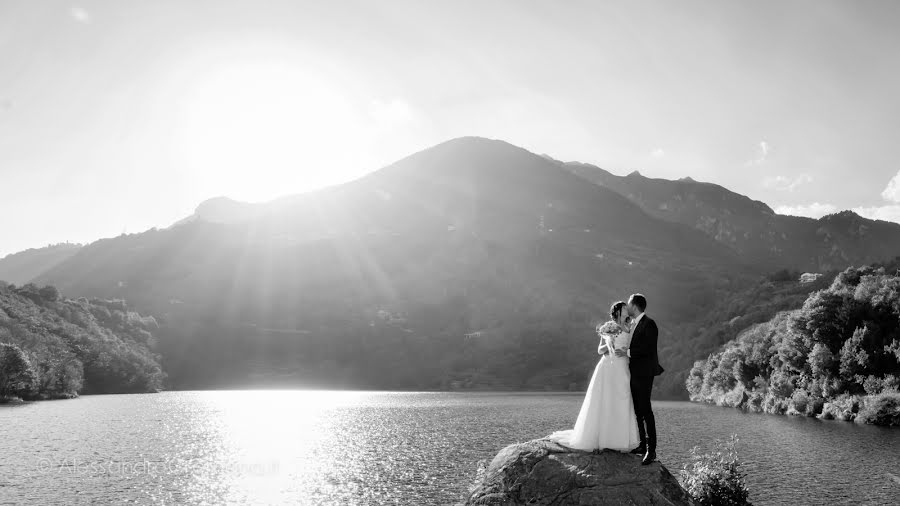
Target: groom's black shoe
(640,450)
(649,458)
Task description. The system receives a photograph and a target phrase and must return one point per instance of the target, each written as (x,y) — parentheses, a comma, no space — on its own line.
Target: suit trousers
(641,386)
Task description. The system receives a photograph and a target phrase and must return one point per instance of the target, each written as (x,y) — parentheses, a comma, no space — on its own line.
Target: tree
(49,293)
(821,360)
(822,319)
(17,377)
(792,351)
(893,348)
(854,358)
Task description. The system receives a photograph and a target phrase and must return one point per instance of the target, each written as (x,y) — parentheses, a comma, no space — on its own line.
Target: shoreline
(824,416)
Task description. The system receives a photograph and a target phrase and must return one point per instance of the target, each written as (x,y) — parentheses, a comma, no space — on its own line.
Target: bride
(607,419)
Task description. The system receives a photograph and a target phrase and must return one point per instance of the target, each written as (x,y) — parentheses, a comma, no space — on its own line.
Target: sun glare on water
(270,443)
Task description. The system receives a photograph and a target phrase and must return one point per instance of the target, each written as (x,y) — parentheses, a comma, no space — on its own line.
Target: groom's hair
(638,300)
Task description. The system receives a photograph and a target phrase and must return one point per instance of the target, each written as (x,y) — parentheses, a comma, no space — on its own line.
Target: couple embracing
(616,412)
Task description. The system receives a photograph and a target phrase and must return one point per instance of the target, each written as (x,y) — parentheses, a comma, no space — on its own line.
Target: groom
(644,366)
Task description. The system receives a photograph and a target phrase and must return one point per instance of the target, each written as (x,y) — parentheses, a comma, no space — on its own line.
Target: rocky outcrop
(541,472)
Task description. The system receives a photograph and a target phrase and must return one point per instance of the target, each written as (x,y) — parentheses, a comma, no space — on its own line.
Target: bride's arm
(603,349)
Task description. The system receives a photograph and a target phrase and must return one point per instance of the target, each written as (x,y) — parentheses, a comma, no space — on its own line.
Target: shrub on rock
(715,478)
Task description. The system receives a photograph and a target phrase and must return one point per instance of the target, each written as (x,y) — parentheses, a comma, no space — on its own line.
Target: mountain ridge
(751,227)
(470,237)
(23,266)
(472,264)
(768,231)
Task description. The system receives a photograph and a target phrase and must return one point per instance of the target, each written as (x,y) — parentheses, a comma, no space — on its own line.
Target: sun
(257,130)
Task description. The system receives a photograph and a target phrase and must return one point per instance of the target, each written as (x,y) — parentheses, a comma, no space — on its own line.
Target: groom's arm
(645,346)
(635,339)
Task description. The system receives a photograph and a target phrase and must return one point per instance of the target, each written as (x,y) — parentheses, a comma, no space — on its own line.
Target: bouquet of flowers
(609,328)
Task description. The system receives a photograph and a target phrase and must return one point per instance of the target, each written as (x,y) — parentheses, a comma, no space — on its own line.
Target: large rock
(543,472)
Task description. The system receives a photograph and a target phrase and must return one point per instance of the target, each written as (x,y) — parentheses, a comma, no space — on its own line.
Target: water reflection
(302,447)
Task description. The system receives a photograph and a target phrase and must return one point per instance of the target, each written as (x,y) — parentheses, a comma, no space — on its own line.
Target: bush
(774,405)
(799,401)
(881,409)
(716,478)
(815,406)
(843,408)
(755,404)
(736,398)
(872,385)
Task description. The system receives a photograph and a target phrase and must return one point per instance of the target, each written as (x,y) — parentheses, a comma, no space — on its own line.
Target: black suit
(644,365)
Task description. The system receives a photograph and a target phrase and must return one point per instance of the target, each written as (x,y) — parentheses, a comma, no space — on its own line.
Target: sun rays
(250,126)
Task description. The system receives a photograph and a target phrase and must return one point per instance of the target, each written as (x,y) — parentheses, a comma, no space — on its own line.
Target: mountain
(472,264)
(753,229)
(224,210)
(22,267)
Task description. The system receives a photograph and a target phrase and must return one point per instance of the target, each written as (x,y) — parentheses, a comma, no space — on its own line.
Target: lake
(330,447)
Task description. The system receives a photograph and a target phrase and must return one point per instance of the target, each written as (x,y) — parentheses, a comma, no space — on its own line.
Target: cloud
(887,212)
(884,213)
(393,111)
(80,15)
(784,183)
(814,210)
(892,192)
(761,156)
(657,153)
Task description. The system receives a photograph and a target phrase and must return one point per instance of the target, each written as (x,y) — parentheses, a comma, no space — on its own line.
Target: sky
(119,116)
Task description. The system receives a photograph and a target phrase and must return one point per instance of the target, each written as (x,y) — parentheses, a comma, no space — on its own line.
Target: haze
(121,116)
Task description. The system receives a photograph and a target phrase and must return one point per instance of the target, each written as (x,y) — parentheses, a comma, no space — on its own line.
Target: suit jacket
(644,359)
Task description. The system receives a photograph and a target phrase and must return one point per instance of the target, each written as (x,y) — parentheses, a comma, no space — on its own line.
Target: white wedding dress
(606,419)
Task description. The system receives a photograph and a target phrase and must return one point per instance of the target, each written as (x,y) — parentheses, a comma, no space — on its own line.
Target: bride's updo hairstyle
(616,310)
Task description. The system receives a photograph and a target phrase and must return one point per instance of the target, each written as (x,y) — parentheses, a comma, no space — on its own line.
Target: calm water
(267,447)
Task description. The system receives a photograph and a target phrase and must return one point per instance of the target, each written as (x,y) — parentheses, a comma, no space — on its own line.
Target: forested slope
(838,356)
(56,347)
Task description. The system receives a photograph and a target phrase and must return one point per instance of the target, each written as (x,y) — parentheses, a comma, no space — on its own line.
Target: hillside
(473,264)
(751,227)
(20,268)
(726,318)
(64,347)
(837,356)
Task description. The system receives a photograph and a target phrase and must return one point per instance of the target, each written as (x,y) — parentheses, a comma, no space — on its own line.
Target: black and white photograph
(450,253)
